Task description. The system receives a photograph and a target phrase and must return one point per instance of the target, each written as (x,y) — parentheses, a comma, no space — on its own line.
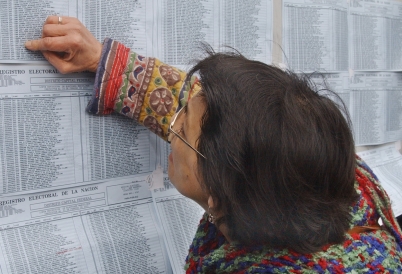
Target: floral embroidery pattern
(170,75)
(161,101)
(129,91)
(128,105)
(140,79)
(158,81)
(152,124)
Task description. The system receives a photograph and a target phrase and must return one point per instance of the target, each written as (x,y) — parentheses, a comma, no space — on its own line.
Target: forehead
(195,89)
(195,110)
(196,103)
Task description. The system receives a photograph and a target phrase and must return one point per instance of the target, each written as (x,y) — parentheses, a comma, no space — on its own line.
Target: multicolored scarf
(378,251)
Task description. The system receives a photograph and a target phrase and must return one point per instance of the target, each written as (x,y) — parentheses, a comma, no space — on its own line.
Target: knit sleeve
(142,88)
(373,202)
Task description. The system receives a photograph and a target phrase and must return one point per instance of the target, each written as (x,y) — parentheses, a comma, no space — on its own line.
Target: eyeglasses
(170,136)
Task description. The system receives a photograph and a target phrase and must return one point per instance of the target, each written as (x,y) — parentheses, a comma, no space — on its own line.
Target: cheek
(174,163)
(170,165)
(181,165)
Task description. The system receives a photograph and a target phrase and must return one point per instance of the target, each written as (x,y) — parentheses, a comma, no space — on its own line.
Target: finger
(48,43)
(55,59)
(54,19)
(54,30)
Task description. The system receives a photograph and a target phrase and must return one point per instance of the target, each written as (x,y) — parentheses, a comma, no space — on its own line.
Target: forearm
(141,88)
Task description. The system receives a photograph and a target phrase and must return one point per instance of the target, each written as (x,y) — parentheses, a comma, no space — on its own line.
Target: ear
(210,202)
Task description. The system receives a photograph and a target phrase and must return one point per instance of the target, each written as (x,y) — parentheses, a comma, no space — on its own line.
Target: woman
(270,160)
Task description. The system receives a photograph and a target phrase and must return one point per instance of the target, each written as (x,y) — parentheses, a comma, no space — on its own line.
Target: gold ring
(60,20)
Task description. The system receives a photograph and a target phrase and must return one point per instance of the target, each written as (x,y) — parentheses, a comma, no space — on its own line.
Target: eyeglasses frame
(170,130)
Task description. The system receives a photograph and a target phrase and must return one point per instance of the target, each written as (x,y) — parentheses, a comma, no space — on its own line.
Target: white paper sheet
(71,199)
(49,141)
(374,101)
(247,27)
(386,163)
(108,227)
(376,107)
(50,145)
(315,35)
(179,217)
(22,20)
(375,32)
(183,25)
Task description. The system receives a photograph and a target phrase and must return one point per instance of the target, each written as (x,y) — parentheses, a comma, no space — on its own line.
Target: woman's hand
(68,45)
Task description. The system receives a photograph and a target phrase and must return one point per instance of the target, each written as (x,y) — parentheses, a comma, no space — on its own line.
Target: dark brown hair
(280,155)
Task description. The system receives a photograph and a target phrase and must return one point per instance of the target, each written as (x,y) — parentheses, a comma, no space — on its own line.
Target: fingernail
(28,44)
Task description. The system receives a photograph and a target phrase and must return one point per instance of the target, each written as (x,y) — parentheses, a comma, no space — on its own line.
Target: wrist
(93,67)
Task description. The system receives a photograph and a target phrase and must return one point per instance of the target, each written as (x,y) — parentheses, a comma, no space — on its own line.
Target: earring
(211,217)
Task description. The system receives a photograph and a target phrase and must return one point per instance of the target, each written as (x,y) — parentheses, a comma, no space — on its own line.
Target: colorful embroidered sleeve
(142,88)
